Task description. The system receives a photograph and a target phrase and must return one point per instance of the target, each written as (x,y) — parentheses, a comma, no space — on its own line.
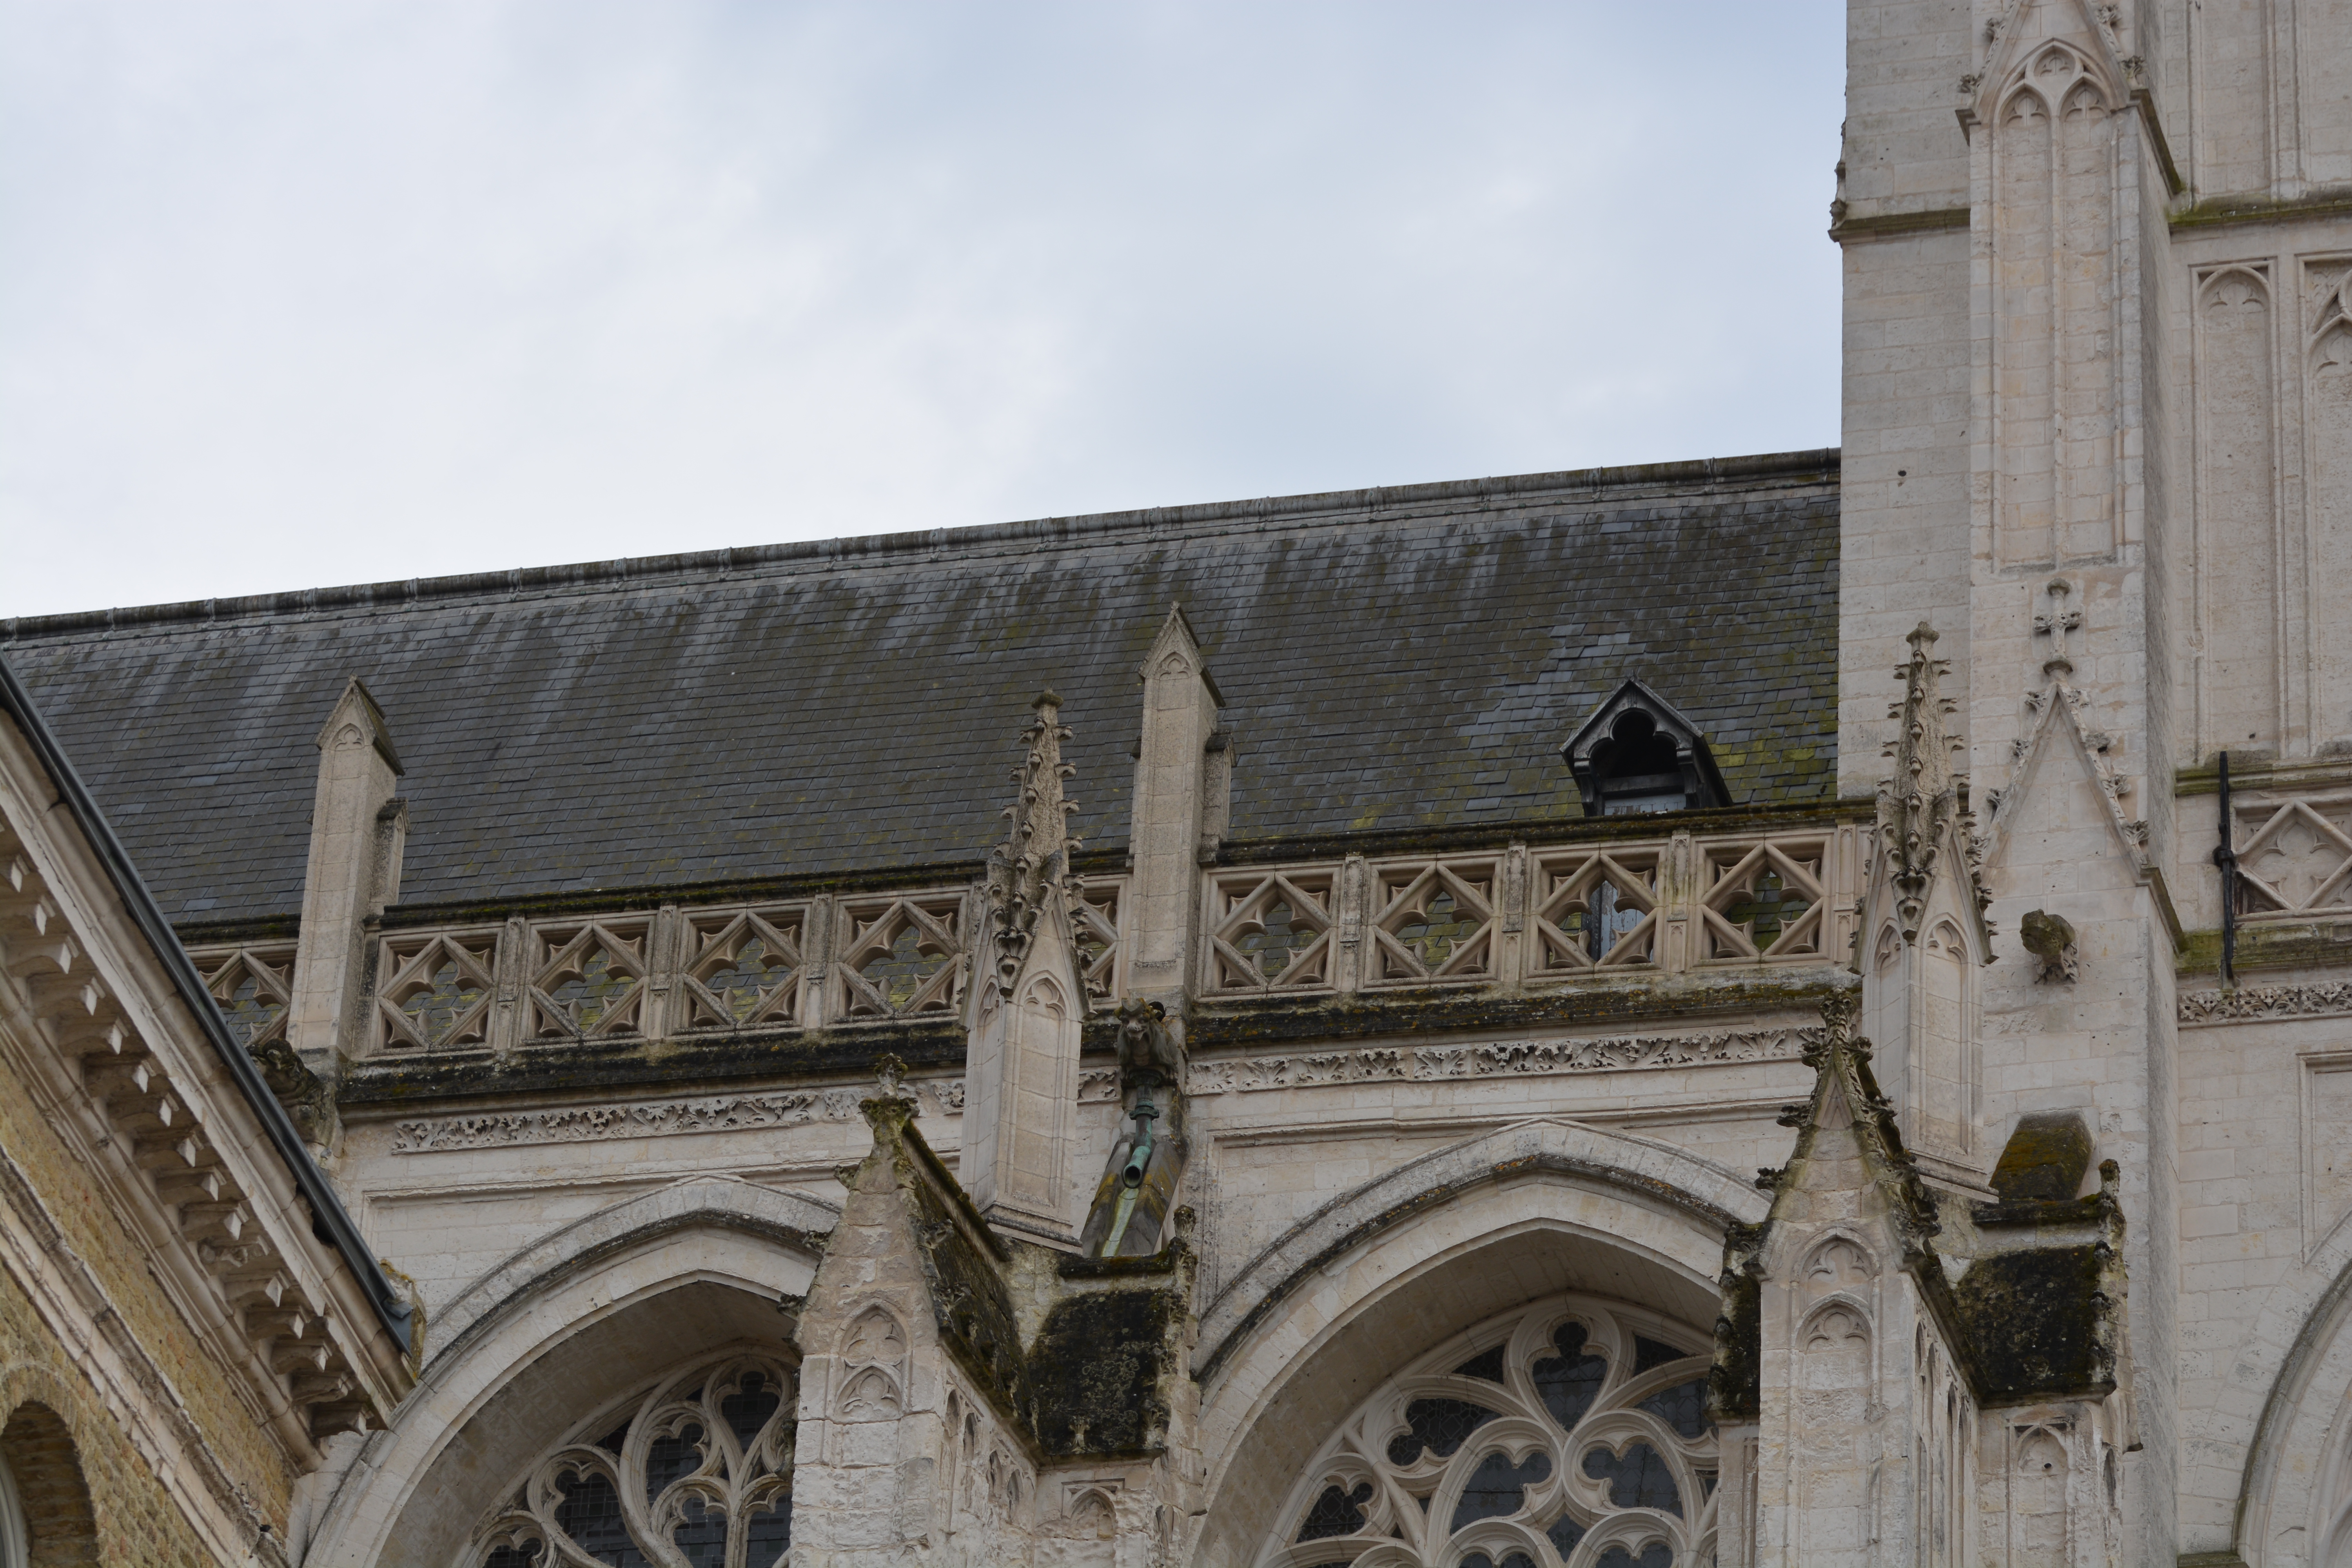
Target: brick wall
(138,1522)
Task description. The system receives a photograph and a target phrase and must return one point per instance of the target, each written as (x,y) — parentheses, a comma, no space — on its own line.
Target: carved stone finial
(1032,866)
(890,1073)
(2054,623)
(1923,798)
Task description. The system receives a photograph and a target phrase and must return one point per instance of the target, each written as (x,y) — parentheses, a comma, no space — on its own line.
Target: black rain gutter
(333,1225)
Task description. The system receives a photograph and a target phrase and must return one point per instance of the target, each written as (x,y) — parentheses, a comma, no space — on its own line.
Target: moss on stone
(1101,1365)
(2044,1160)
(2032,1320)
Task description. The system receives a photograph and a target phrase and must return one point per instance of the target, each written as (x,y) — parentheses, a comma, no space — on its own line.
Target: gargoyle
(2051,939)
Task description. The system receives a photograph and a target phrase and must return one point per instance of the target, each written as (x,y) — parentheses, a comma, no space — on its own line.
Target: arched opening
(1432,1263)
(671,1419)
(698,1462)
(52,1523)
(1573,1431)
(561,1344)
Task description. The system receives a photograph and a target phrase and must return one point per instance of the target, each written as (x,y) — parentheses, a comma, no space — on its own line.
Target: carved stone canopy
(1637,753)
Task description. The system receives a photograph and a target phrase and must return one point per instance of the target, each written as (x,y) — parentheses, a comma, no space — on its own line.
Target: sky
(300,292)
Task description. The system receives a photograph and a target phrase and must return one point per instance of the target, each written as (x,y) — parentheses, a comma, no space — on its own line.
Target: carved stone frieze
(1497,1059)
(2253,1002)
(589,1124)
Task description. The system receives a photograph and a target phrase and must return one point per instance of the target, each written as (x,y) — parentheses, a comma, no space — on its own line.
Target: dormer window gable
(1637,754)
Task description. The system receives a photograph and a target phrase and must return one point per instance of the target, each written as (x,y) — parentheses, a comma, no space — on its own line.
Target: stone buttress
(1902,1373)
(974,1399)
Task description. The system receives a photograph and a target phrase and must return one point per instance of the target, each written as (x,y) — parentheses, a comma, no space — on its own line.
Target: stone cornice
(93,1025)
(1898,225)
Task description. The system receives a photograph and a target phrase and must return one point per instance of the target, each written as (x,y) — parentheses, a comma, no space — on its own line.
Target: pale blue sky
(309,292)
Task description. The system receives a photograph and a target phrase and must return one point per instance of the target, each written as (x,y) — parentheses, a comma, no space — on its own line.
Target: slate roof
(1403,657)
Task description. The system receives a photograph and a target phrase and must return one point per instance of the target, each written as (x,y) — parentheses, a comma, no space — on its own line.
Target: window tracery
(747,967)
(438,993)
(590,981)
(1435,921)
(1764,901)
(1273,930)
(899,956)
(1576,1438)
(255,988)
(698,1469)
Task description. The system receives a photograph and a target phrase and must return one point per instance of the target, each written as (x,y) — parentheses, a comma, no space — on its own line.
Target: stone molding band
(590,1123)
(1500,1059)
(2253,1004)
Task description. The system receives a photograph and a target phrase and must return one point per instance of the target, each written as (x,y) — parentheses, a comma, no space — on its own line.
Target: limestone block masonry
(1772,1012)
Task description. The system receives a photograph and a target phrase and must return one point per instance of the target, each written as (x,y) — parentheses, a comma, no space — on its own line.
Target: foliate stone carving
(1029,873)
(1924,799)
(2253,1004)
(1498,1058)
(584,1123)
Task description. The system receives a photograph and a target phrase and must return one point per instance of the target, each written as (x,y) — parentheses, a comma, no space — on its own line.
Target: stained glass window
(708,1504)
(1580,1434)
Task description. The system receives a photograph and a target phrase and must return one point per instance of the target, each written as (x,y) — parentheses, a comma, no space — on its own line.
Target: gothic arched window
(1569,1434)
(701,1462)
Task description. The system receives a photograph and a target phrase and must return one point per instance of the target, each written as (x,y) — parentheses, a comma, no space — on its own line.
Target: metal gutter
(326,1208)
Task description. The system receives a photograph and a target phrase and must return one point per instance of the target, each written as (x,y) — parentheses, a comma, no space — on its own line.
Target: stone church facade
(1787,1010)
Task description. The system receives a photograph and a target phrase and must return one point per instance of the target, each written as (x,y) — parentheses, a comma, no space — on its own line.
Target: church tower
(2097,372)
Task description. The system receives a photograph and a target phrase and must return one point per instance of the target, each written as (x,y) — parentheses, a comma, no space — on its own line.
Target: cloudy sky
(311,291)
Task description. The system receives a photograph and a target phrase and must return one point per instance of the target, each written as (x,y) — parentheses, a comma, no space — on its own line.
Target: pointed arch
(1452,1237)
(560,1329)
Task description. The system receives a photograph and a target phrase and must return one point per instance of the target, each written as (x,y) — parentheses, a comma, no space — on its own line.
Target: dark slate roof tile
(1395,657)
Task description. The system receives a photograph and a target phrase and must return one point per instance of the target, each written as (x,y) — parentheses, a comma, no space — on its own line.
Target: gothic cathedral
(1771,1012)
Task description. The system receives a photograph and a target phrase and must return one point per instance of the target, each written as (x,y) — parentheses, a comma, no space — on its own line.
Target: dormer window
(1637,754)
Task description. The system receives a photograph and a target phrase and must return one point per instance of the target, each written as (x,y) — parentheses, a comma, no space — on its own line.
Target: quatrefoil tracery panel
(1764,901)
(1576,1437)
(439,990)
(2297,860)
(746,969)
(590,981)
(900,957)
(1595,909)
(255,988)
(1435,921)
(1272,930)
(698,1469)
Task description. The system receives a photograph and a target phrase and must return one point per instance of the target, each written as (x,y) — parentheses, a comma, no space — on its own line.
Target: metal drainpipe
(2226,857)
